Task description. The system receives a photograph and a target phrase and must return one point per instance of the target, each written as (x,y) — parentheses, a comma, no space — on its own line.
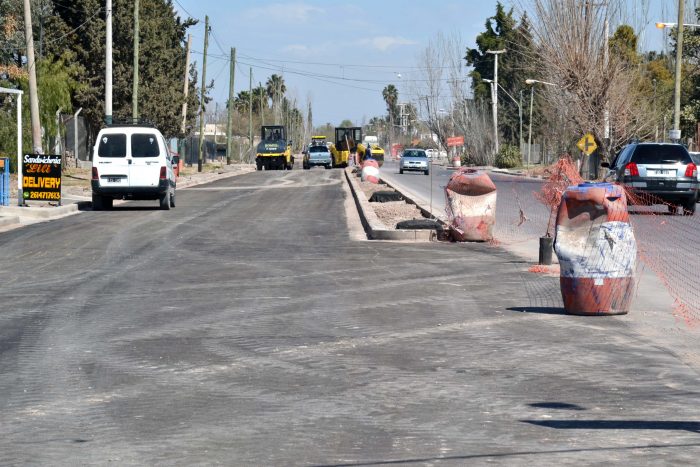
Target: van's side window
(144,145)
(112,145)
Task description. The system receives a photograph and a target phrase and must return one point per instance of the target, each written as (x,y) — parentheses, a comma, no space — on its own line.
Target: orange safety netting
(666,240)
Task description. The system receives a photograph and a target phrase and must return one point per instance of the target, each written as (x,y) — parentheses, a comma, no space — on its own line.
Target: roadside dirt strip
(376,229)
(247,327)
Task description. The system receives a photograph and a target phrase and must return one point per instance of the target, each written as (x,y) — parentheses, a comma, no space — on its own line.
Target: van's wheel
(172,199)
(258,164)
(97,202)
(107,203)
(165,201)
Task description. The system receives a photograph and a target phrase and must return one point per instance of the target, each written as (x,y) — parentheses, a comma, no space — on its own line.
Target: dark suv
(664,171)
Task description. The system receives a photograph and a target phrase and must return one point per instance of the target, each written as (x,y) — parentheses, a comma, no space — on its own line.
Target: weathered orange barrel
(370,171)
(471,205)
(597,250)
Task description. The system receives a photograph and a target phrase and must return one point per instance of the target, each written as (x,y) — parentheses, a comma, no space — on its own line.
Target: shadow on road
(503,455)
(556,405)
(544,310)
(680,425)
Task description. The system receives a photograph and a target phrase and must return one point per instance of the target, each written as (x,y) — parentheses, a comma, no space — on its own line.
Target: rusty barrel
(471,205)
(597,250)
(370,171)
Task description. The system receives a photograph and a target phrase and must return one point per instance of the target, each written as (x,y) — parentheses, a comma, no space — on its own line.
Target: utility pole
(262,110)
(135,84)
(204,89)
(229,123)
(494,99)
(33,94)
(676,132)
(108,64)
(186,89)
(250,108)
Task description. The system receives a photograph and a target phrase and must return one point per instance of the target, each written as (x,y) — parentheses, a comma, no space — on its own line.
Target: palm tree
(391,97)
(275,89)
(241,101)
(259,99)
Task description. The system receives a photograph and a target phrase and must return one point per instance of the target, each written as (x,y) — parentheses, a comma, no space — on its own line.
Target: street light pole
(675,133)
(679,63)
(531,83)
(529,130)
(519,104)
(494,96)
(679,66)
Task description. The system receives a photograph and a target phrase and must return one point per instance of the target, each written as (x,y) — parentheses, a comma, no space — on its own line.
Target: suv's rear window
(318,149)
(660,154)
(112,145)
(144,145)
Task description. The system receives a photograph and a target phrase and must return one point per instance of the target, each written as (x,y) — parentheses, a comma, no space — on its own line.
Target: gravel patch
(391,213)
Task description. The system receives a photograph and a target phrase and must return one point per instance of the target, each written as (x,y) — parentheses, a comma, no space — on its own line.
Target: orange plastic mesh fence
(662,239)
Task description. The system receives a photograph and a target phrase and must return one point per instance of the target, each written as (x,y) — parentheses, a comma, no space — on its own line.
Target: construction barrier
(370,171)
(471,205)
(596,248)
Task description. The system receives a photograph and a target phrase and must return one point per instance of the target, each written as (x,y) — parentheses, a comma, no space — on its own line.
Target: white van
(131,162)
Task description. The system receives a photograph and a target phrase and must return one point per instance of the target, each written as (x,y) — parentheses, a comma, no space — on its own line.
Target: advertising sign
(41,177)
(455,141)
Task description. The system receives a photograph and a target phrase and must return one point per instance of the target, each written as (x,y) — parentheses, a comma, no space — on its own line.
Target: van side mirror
(175,160)
(605,165)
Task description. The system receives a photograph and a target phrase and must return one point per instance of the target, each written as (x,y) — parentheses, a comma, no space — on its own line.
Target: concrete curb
(373,226)
(425,210)
(8,220)
(40,213)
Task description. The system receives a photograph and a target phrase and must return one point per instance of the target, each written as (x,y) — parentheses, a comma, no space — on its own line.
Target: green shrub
(508,157)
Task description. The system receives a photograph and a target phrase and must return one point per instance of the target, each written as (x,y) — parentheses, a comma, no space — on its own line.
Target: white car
(131,162)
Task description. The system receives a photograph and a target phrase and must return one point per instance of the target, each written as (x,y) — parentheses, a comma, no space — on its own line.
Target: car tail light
(631,170)
(95,175)
(163,173)
(691,170)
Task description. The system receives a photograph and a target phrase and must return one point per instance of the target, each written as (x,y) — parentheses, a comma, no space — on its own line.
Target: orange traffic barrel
(370,171)
(471,205)
(597,250)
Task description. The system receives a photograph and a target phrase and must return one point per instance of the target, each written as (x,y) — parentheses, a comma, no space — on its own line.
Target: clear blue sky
(308,40)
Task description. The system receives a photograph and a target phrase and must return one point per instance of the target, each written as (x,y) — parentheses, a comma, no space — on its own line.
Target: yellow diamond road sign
(587,144)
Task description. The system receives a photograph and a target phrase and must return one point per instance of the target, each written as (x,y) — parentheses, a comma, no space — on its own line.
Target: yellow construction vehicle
(318,140)
(274,152)
(347,144)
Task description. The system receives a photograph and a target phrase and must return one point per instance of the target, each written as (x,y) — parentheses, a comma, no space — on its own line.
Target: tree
(80,28)
(391,98)
(275,90)
(588,80)
(690,94)
(518,63)
(346,123)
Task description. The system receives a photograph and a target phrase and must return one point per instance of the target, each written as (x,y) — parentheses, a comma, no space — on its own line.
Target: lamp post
(531,83)
(675,133)
(494,95)
(519,104)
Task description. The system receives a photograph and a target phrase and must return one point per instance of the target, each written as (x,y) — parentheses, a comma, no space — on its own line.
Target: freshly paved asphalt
(244,327)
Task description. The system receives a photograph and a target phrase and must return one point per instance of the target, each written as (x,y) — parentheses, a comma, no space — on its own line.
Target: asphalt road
(244,327)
